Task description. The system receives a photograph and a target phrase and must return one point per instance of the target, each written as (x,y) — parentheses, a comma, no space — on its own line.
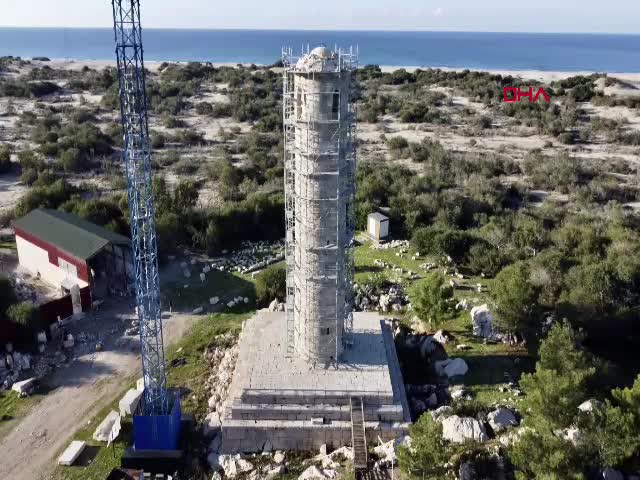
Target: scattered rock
(590,405)
(458,392)
(312,473)
(502,419)
(611,474)
(388,452)
(25,387)
(212,424)
(278,457)
(276,471)
(441,413)
(460,429)
(482,321)
(452,367)
(443,337)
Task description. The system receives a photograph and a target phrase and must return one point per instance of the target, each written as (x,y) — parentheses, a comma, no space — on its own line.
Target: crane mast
(137,161)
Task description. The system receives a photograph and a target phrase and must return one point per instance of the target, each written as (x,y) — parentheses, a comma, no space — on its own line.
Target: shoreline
(544,76)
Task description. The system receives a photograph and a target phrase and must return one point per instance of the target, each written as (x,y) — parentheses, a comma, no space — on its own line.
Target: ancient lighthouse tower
(319,125)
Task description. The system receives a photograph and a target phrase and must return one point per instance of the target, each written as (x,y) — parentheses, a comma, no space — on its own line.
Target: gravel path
(78,393)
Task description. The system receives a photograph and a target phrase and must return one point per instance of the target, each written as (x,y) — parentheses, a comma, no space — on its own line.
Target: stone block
(104,429)
(24,387)
(129,403)
(71,454)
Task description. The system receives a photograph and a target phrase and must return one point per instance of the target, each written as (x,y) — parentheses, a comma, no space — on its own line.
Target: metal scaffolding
(319,121)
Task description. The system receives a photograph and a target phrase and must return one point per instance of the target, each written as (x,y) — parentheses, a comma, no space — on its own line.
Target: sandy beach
(539,75)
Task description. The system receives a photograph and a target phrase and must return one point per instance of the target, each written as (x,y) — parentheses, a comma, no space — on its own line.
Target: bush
(204,108)
(26,315)
(442,241)
(515,298)
(432,299)
(486,259)
(5,159)
(271,283)
(429,452)
(72,161)
(7,294)
(158,140)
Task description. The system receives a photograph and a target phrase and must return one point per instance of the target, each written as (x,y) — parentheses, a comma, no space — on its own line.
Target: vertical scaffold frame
(137,161)
(344,149)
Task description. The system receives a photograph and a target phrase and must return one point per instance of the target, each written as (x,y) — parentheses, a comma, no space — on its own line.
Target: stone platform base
(279,402)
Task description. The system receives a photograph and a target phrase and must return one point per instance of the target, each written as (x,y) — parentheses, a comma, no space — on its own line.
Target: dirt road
(78,393)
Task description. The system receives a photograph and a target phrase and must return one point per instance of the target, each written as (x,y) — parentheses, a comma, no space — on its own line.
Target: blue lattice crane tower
(158,408)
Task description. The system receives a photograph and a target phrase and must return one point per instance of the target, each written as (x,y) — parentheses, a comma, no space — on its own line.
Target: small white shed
(378,226)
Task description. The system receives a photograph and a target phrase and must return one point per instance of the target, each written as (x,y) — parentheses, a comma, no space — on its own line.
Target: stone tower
(319,180)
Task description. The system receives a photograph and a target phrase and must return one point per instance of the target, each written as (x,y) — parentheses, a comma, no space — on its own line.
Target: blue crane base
(158,432)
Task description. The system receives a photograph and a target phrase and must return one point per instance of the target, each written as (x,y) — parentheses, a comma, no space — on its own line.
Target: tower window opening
(328,330)
(335,105)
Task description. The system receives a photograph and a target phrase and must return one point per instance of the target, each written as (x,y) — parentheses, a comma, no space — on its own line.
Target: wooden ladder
(358,436)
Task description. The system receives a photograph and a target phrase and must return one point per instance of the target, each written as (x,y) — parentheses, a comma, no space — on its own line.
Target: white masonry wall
(36,261)
(320,206)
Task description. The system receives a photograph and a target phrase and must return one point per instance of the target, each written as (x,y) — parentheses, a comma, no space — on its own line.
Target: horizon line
(363,30)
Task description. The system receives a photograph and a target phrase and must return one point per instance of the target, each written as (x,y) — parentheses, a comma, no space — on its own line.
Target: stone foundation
(277,402)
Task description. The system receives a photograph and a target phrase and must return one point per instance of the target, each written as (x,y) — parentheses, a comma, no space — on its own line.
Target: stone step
(265,411)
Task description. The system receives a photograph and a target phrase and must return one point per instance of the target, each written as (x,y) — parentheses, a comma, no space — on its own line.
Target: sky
(591,16)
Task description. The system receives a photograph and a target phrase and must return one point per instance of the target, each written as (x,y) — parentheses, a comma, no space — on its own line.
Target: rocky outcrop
(461,429)
(482,321)
(452,367)
(501,419)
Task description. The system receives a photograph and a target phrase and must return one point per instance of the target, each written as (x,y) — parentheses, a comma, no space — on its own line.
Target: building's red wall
(60,307)
(55,254)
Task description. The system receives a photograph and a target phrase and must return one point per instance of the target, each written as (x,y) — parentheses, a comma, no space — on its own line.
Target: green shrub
(271,283)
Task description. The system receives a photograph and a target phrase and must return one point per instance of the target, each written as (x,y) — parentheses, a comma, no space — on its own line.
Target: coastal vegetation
(538,200)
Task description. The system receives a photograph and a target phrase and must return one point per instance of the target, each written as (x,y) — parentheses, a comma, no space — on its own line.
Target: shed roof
(378,216)
(77,237)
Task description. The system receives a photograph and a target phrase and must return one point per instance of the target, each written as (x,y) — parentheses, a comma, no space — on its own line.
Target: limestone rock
(312,473)
(441,413)
(443,337)
(276,472)
(278,457)
(346,452)
(452,367)
(232,465)
(103,431)
(458,392)
(611,474)
(482,321)
(460,429)
(501,419)
(212,424)
(590,405)
(24,387)
(388,452)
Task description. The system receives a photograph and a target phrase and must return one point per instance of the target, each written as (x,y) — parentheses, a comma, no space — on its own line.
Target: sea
(491,51)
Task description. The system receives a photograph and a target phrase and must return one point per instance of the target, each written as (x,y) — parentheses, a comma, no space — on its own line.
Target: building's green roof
(68,232)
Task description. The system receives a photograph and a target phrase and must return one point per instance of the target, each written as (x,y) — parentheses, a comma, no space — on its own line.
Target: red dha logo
(517,95)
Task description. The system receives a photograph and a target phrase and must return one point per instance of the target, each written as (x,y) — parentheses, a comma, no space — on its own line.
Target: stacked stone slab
(277,402)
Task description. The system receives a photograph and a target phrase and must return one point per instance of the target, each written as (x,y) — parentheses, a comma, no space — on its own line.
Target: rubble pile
(369,298)
(382,264)
(403,244)
(251,256)
(222,360)
(15,365)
